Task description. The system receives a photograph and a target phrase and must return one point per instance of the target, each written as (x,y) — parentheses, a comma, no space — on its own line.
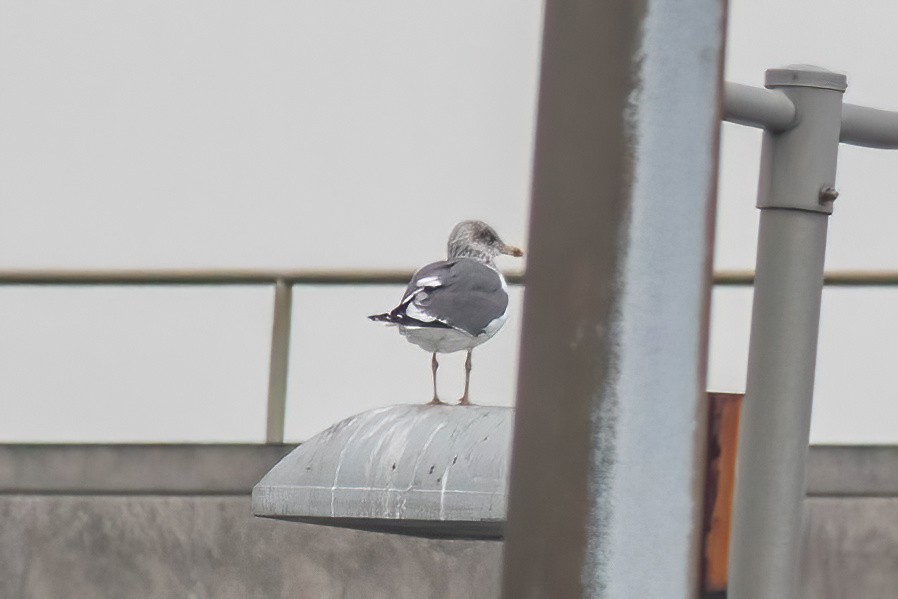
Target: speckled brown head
(476,239)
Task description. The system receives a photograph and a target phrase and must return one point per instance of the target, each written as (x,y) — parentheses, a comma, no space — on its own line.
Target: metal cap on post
(786,181)
(795,195)
(805,75)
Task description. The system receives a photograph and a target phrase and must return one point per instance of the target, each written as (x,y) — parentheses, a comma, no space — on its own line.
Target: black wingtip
(381,317)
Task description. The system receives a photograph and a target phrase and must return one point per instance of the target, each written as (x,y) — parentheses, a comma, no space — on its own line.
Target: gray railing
(284,281)
(775,112)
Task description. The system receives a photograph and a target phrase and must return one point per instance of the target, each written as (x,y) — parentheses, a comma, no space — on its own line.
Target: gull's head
(476,239)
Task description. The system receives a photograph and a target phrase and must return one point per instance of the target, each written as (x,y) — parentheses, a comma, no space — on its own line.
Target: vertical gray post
(606,485)
(795,195)
(278,365)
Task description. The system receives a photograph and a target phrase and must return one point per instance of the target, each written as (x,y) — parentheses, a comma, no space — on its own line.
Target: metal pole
(278,366)
(795,195)
(756,107)
(606,490)
(869,127)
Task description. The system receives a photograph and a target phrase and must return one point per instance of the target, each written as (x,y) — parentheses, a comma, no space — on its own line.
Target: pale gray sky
(277,134)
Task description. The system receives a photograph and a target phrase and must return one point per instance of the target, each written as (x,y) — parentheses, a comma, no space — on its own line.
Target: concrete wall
(121,547)
(169,522)
(852,550)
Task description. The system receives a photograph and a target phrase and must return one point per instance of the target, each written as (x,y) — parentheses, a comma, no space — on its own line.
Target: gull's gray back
(469,295)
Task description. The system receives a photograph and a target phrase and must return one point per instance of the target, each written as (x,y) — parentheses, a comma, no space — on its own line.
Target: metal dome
(434,471)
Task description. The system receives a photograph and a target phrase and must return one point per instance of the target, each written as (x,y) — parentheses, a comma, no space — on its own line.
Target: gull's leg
(433,367)
(464,401)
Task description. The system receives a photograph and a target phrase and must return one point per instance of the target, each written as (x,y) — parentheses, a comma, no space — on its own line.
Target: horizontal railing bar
(772,110)
(869,127)
(757,107)
(833,278)
(211,277)
(726,278)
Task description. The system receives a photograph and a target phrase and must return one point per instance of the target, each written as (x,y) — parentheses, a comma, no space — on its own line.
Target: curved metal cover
(435,471)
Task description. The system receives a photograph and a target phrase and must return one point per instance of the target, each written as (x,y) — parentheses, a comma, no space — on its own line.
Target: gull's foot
(464,401)
(435,402)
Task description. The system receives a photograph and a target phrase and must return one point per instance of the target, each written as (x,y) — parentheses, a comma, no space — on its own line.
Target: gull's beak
(511,250)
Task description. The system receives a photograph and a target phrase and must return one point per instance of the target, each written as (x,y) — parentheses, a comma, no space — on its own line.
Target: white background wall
(274,134)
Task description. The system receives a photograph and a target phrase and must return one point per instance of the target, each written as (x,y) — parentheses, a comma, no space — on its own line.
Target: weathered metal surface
(429,470)
(608,480)
(723,435)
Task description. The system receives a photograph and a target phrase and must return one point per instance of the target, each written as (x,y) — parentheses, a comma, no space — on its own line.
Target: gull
(458,303)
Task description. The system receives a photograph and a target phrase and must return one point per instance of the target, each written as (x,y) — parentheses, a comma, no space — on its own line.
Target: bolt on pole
(795,195)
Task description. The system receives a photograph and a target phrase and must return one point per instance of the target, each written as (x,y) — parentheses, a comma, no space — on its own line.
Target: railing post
(280,352)
(795,195)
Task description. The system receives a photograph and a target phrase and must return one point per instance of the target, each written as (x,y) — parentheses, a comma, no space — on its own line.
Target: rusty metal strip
(723,436)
